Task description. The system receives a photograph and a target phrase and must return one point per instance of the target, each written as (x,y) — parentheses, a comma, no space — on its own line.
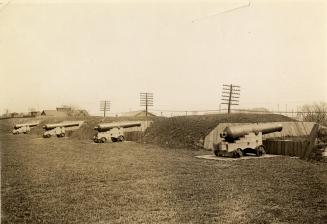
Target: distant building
(14,114)
(140,113)
(65,112)
(64,109)
(35,113)
(54,113)
(78,113)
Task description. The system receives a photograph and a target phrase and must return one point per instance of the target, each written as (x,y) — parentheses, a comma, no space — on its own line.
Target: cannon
(242,139)
(65,124)
(59,129)
(113,132)
(24,128)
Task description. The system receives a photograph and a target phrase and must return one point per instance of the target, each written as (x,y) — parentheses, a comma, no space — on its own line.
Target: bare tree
(316,112)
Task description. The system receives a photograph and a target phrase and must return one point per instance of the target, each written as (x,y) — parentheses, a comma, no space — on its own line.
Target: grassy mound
(190,131)
(175,132)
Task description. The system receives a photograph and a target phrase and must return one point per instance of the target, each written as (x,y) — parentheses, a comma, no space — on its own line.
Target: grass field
(74,181)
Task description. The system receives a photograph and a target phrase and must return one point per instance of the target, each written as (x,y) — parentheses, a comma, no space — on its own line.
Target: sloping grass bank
(190,131)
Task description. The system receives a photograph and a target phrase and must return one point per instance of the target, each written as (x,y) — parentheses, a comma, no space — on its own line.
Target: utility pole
(105,106)
(230,95)
(146,100)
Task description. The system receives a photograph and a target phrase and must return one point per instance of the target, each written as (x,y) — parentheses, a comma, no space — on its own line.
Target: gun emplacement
(241,139)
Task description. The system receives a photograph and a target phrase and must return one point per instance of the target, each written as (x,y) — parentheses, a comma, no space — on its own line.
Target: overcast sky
(80,52)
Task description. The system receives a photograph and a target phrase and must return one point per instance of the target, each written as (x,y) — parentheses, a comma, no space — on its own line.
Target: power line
(146,100)
(105,106)
(230,95)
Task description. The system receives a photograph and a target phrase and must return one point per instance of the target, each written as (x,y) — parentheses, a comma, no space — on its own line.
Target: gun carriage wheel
(260,150)
(103,140)
(239,152)
(121,138)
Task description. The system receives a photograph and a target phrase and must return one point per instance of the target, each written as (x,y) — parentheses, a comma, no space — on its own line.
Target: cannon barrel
(32,124)
(234,132)
(63,124)
(108,126)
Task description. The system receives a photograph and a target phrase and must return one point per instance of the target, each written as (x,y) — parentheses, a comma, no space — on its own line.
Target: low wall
(286,147)
(134,136)
(136,133)
(290,129)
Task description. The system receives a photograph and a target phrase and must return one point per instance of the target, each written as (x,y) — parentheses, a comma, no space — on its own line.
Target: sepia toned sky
(77,53)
